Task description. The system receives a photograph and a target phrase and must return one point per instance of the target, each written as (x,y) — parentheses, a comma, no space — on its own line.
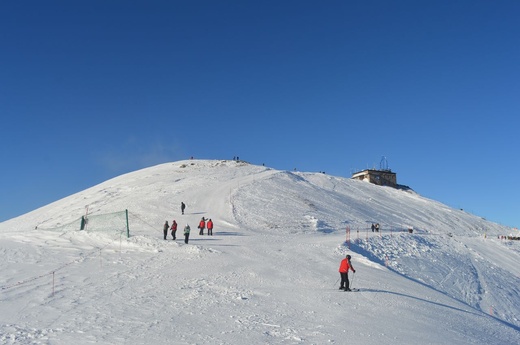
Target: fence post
(127,228)
(86,217)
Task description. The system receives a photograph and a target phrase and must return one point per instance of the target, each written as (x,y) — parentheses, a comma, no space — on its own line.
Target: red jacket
(202,224)
(210,225)
(174,226)
(345,266)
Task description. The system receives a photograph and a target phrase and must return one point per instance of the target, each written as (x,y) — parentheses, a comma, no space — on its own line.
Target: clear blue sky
(90,90)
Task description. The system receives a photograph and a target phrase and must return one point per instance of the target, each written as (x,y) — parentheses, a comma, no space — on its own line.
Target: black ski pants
(344,280)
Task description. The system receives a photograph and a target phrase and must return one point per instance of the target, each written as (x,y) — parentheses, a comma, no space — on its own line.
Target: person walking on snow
(183,206)
(343,271)
(186,233)
(174,229)
(210,227)
(165,229)
(202,225)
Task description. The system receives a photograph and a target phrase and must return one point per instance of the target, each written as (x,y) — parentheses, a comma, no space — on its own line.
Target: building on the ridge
(380,177)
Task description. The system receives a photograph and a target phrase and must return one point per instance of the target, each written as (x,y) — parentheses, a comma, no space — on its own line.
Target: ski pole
(352,283)
(336,283)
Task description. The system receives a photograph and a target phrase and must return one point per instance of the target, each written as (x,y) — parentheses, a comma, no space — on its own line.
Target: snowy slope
(269,273)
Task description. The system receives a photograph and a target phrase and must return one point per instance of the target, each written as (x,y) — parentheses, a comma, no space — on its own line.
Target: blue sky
(90,90)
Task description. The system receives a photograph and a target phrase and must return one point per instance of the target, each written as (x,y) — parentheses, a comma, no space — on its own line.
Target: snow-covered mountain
(269,275)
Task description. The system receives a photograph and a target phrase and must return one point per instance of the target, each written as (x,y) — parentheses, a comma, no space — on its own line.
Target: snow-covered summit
(267,275)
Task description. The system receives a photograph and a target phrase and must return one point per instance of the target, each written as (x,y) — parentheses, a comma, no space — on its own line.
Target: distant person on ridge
(165,229)
(373,227)
(186,233)
(343,271)
(174,229)
(210,227)
(202,225)
(183,206)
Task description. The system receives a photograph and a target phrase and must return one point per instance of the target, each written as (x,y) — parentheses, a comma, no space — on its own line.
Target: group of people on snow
(375,227)
(203,224)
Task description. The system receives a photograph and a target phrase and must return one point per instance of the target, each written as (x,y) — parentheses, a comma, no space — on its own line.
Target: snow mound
(268,275)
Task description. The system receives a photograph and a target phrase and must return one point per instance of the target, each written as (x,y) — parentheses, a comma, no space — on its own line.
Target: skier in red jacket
(343,271)
(202,226)
(174,229)
(210,227)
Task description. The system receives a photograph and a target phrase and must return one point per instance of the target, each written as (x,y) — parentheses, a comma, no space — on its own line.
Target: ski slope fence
(114,222)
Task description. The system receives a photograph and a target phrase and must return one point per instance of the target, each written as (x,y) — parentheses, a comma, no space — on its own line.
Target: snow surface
(269,275)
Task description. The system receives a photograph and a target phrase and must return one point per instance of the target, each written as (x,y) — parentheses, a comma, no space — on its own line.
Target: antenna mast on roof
(383,164)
